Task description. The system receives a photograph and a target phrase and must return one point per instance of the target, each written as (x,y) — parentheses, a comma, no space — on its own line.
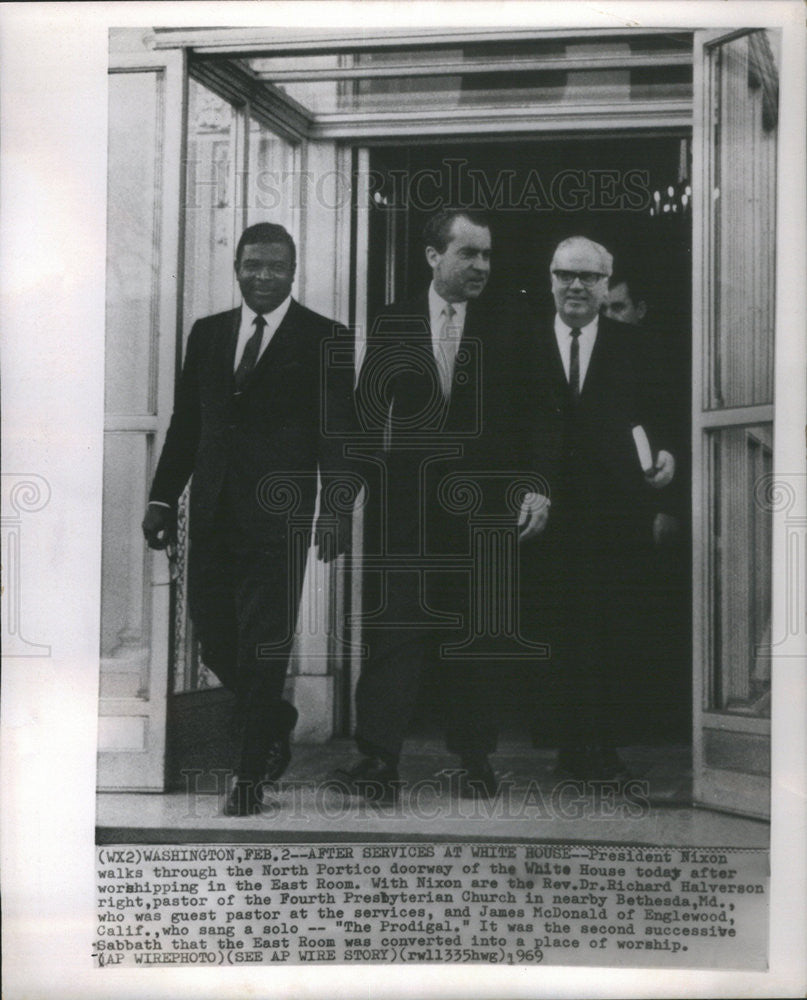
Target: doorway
(631,194)
(624,101)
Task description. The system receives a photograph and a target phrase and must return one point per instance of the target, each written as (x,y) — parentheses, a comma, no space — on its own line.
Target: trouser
(243,604)
(402,645)
(589,602)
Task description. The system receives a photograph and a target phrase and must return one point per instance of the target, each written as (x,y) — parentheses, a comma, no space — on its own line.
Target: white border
(53,61)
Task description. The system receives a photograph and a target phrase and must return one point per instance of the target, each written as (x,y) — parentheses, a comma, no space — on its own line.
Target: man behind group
(247,425)
(588,383)
(667,633)
(627,300)
(432,362)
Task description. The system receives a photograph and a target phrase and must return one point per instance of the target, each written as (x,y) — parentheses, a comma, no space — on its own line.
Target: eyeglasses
(587,278)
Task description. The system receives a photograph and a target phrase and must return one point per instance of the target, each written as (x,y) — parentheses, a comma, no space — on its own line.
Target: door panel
(145,143)
(734,178)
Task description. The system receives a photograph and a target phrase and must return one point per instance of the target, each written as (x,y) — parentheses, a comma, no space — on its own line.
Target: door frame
(342,144)
(133,693)
(717,787)
(359,317)
(349,138)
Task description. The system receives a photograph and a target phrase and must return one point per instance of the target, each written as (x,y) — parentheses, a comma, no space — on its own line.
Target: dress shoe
(613,767)
(246,798)
(477,780)
(373,777)
(577,762)
(278,754)
(591,763)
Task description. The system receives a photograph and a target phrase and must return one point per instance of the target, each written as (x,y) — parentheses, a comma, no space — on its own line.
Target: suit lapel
(419,309)
(279,349)
(412,324)
(231,324)
(550,365)
(281,342)
(554,358)
(421,332)
(596,365)
(468,360)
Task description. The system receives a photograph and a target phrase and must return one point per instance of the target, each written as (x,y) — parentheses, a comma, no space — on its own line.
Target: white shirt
(586,339)
(245,331)
(273,320)
(445,338)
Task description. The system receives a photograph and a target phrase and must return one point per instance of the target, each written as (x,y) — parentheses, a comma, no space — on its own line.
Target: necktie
(446,348)
(250,355)
(574,364)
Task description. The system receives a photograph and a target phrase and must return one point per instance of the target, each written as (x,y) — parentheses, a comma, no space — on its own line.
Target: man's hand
(533,515)
(662,473)
(665,528)
(159,526)
(332,536)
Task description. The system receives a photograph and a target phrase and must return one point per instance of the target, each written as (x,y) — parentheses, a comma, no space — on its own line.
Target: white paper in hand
(643,448)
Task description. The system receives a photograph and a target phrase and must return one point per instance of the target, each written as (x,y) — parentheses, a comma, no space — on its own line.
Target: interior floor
(532,804)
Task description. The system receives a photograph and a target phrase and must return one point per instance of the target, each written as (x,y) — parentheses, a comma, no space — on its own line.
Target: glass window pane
(519,88)
(489,75)
(211,205)
(744,130)
(740,542)
(132,221)
(272,180)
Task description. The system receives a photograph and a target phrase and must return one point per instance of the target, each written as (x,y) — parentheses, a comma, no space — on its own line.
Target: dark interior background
(528,220)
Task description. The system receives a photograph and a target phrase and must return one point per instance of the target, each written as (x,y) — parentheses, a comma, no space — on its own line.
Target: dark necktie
(574,364)
(250,355)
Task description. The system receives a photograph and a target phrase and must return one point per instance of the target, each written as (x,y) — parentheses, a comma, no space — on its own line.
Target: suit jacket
(601,503)
(258,452)
(402,409)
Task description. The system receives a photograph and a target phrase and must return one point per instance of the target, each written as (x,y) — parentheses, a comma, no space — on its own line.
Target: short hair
(606,259)
(636,285)
(437,231)
(266,232)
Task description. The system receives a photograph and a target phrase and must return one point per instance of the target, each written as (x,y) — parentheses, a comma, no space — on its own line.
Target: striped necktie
(446,348)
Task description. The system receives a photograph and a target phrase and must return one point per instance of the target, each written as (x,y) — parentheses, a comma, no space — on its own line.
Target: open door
(734,192)
(146,108)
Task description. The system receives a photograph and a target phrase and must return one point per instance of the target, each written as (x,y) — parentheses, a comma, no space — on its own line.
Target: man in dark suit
(662,701)
(427,392)
(627,300)
(593,420)
(248,427)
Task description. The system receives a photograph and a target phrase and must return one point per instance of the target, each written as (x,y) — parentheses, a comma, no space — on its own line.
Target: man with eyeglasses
(592,421)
